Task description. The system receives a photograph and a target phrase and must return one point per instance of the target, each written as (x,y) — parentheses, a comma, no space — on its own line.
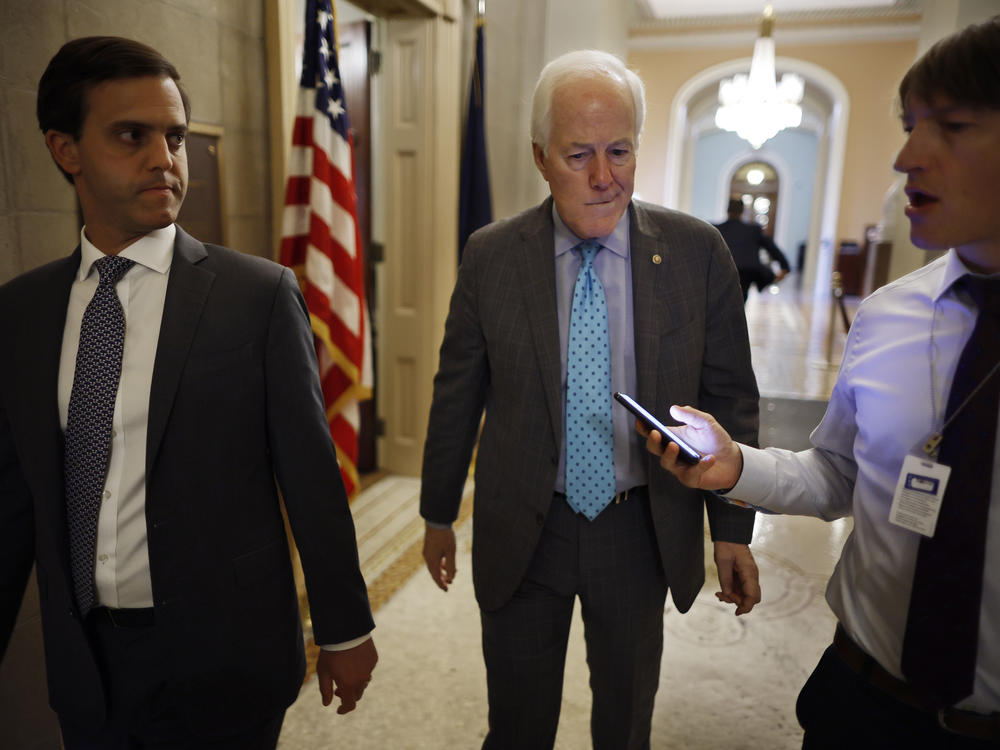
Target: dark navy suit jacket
(235,413)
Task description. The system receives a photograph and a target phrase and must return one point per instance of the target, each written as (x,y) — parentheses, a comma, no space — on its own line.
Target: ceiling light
(756,107)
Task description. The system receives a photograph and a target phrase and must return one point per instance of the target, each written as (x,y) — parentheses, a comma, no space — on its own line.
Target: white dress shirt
(890,396)
(121,572)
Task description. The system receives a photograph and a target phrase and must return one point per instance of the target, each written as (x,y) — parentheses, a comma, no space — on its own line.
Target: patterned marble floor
(726,682)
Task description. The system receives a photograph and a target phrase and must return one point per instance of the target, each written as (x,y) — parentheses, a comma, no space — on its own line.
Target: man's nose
(159,155)
(913,152)
(600,172)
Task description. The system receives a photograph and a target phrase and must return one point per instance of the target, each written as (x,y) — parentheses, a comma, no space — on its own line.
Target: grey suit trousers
(613,565)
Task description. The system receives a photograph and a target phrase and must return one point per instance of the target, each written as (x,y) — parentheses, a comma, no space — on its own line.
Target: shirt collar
(616,242)
(155,251)
(954,269)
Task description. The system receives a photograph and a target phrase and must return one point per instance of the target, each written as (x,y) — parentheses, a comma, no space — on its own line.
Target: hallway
(725,682)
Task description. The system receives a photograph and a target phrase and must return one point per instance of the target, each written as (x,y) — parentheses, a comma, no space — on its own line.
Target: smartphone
(688,454)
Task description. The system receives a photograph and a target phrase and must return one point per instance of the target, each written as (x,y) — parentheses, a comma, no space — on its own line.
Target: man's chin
(599,223)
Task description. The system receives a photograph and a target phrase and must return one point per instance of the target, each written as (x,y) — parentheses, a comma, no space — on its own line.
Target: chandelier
(755,107)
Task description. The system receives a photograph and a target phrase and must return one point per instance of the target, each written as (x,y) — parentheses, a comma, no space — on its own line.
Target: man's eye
(132,135)
(577,157)
(177,139)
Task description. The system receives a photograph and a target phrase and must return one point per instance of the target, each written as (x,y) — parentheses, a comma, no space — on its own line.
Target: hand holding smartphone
(688,454)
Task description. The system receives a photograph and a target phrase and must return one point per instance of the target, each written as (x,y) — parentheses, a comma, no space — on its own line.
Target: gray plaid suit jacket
(501,353)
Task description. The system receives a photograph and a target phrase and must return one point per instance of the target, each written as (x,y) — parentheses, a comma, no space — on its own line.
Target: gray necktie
(88,425)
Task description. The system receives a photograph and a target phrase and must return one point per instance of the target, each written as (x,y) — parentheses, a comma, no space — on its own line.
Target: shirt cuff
(757,478)
(436,525)
(346,644)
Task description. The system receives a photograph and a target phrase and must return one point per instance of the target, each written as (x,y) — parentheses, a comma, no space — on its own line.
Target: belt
(621,497)
(124,618)
(965,723)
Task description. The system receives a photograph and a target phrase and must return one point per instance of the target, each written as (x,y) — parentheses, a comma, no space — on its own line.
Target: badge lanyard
(933,444)
(920,488)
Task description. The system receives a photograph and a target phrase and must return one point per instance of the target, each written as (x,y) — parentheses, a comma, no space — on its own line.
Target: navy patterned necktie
(590,463)
(88,425)
(942,626)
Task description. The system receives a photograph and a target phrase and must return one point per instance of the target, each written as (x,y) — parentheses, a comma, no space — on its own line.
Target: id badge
(919,491)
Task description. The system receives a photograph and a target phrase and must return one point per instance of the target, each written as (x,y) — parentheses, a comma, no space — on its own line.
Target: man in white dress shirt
(147,498)
(879,454)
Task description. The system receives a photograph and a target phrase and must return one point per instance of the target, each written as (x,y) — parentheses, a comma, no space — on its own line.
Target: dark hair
(735,207)
(963,67)
(83,63)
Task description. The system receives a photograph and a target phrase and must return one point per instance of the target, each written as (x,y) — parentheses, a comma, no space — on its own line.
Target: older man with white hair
(554,310)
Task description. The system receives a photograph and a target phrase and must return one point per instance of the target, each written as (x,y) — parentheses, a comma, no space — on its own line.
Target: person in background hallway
(745,241)
(560,513)
(144,423)
(915,661)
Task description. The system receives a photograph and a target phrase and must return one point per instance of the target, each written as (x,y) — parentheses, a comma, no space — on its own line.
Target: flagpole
(336,29)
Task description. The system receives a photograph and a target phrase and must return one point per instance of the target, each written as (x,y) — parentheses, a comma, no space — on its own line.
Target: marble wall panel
(10,253)
(189,39)
(45,237)
(243,70)
(30,33)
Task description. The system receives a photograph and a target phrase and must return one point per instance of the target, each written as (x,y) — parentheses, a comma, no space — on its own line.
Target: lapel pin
(657,260)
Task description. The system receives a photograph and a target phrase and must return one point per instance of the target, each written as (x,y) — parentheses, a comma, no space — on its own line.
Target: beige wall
(217,46)
(869,71)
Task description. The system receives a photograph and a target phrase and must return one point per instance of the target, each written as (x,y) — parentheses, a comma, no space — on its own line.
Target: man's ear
(64,149)
(539,155)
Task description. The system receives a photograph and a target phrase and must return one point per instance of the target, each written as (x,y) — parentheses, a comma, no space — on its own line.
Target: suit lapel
(537,276)
(649,308)
(187,291)
(42,346)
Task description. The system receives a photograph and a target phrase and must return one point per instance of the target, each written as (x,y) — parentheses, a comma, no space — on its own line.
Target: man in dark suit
(675,330)
(745,241)
(144,423)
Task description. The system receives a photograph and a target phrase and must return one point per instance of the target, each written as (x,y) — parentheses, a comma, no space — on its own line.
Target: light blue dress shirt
(614,268)
(899,361)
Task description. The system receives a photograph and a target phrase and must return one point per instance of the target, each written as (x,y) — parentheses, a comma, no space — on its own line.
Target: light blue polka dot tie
(88,425)
(590,463)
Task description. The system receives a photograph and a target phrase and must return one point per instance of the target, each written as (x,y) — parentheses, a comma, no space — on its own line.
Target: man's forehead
(125,98)
(937,104)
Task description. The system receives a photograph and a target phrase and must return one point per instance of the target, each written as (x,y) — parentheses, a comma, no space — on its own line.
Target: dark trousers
(143,703)
(759,276)
(612,563)
(839,709)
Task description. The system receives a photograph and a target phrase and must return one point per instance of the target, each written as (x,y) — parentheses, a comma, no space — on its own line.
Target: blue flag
(474,204)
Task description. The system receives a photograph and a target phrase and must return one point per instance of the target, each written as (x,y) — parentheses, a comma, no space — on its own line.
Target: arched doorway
(826,111)
(756,183)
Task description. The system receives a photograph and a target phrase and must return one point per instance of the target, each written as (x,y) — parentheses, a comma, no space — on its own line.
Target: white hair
(582,64)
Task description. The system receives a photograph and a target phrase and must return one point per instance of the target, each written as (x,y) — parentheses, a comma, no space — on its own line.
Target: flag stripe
(321,240)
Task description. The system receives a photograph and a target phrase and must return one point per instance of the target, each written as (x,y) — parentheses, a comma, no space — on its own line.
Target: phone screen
(688,454)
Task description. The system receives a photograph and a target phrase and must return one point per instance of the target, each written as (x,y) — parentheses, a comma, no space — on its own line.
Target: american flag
(321,240)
